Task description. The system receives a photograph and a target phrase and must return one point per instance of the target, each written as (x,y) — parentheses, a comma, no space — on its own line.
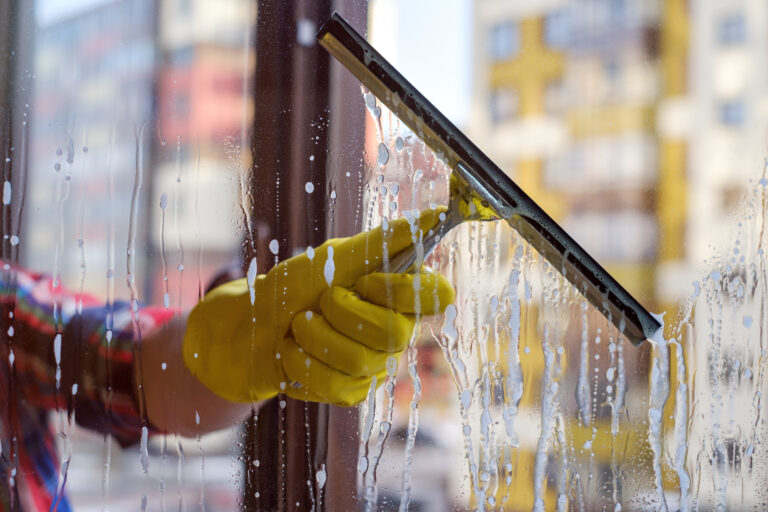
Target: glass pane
(627,133)
(123,194)
(128,133)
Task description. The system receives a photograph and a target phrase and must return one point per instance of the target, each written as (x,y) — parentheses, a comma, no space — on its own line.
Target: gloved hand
(317,326)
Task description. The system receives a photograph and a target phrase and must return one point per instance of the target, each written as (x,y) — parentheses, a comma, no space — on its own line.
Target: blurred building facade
(137,113)
(84,144)
(564,100)
(637,125)
(204,108)
(123,81)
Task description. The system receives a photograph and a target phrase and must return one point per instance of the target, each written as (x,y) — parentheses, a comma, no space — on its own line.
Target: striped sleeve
(73,352)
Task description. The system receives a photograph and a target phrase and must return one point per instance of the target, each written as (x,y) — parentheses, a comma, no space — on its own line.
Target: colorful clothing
(61,352)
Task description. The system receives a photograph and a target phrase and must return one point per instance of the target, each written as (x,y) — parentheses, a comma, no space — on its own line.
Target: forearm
(176,402)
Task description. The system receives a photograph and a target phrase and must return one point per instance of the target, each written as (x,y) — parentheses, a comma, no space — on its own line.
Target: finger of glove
(364,253)
(426,293)
(338,262)
(318,338)
(376,327)
(329,384)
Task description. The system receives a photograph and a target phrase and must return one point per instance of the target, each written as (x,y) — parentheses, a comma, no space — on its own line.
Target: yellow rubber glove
(302,331)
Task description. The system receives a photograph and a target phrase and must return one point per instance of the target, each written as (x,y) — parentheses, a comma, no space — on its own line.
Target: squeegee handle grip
(410,259)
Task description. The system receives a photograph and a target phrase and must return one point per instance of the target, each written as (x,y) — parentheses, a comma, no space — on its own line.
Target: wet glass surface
(637,125)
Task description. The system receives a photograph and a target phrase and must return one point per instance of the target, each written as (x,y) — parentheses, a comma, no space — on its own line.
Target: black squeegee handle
(479,172)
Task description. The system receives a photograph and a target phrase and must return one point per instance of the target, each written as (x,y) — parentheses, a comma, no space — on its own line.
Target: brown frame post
(17,33)
(301,116)
(16,50)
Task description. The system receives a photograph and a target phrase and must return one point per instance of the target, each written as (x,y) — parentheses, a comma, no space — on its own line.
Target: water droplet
(394,189)
(466,399)
(330,267)
(391,366)
(57,348)
(399,144)
(362,464)
(163,201)
(274,246)
(309,187)
(383,155)
(321,476)
(143,450)
(370,100)
(57,167)
(70,151)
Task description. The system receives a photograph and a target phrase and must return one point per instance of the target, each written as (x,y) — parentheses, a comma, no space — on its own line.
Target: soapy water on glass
(549,406)
(553,402)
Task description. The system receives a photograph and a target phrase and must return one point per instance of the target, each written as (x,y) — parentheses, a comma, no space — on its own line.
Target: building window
(732,113)
(612,73)
(557,29)
(504,105)
(615,235)
(505,41)
(182,58)
(732,30)
(184,8)
(555,97)
(181,104)
(612,69)
(617,11)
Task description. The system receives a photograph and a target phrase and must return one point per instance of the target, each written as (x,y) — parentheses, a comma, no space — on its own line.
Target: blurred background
(638,125)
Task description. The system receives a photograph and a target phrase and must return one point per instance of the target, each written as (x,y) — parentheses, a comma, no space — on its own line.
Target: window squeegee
(479,189)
